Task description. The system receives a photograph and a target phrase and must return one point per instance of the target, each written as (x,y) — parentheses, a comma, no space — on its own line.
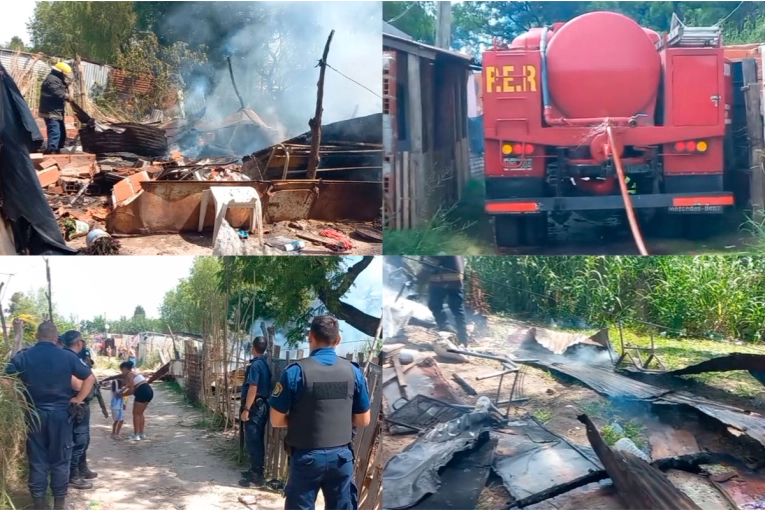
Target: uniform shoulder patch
(83,362)
(277,390)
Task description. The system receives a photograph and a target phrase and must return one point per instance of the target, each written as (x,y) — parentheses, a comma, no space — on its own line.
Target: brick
(48,176)
(128,187)
(46,163)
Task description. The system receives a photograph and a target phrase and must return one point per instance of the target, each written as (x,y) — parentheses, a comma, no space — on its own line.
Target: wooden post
(443,24)
(2,318)
(18,334)
(414,108)
(315,122)
(754,126)
(81,92)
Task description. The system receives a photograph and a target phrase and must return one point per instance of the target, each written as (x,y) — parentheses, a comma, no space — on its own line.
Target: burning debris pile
(135,179)
(538,465)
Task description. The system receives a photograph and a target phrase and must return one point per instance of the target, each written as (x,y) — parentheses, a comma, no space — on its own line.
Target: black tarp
(34,226)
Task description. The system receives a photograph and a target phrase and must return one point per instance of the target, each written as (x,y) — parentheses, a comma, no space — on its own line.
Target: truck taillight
(517,148)
(691,146)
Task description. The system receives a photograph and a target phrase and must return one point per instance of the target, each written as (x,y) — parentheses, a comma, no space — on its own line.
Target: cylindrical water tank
(602,64)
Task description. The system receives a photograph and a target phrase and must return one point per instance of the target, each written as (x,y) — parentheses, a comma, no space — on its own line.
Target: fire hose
(634,227)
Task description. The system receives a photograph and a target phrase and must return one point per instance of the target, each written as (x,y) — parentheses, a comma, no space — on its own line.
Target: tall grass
(703,296)
(459,229)
(13,410)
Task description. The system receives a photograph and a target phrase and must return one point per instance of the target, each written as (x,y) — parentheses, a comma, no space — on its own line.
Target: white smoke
(277,75)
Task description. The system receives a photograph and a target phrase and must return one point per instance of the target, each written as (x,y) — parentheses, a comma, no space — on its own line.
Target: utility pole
(444,24)
(315,122)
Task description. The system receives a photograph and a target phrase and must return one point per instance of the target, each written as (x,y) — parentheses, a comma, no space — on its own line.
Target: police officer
(47,372)
(255,392)
(79,474)
(319,400)
(445,283)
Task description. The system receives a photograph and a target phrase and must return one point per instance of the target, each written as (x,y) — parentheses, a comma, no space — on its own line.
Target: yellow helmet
(63,67)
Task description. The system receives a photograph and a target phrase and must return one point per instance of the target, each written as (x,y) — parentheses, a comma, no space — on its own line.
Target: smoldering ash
(274,57)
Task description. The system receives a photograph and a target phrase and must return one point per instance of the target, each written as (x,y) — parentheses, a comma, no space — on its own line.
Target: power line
(354,81)
(396,18)
(726,18)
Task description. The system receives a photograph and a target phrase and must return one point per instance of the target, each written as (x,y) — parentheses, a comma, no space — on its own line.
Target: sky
(89,286)
(14,21)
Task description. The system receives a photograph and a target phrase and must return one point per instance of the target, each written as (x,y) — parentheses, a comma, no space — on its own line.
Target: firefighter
(254,413)
(445,275)
(320,399)
(79,474)
(54,95)
(47,372)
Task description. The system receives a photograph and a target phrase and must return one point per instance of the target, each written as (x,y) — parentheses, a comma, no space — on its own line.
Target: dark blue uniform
(328,469)
(46,370)
(259,374)
(81,428)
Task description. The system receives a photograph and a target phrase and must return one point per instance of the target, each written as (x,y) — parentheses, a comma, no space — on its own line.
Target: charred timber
(639,484)
(129,137)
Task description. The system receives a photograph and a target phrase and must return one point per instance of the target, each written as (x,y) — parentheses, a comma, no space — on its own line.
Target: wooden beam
(414,109)
(315,122)
(754,126)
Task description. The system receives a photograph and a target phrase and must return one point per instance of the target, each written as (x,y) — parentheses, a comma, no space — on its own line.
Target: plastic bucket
(94,235)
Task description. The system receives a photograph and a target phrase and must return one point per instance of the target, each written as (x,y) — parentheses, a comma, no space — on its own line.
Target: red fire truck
(569,105)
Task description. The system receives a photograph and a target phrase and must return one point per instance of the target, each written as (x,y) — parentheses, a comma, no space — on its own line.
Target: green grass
(678,353)
(462,229)
(610,413)
(542,415)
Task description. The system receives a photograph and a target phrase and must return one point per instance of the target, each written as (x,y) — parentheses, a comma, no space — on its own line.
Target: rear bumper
(695,203)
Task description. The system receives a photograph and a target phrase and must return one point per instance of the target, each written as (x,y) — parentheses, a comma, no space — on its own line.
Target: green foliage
(139,312)
(15,44)
(704,296)
(95,30)
(188,306)
(478,23)
(417,19)
(32,308)
(284,288)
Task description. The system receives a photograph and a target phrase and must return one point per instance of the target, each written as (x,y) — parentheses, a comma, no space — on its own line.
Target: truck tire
(507,231)
(534,229)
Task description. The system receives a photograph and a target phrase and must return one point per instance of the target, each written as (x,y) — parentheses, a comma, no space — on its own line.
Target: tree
(139,312)
(285,288)
(416,19)
(95,30)
(188,307)
(15,44)
(476,24)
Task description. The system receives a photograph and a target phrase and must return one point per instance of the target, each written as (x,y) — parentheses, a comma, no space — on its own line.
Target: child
(118,404)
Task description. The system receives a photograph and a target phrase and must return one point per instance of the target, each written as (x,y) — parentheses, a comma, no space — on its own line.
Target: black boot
(86,473)
(246,480)
(77,482)
(59,503)
(40,504)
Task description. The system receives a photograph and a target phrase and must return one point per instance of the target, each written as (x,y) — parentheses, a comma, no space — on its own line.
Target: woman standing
(138,386)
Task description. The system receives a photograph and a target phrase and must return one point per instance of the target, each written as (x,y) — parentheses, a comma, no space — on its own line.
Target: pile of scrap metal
(130,137)
(350,150)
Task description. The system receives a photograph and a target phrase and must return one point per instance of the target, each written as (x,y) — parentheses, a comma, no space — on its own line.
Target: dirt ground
(179,467)
(556,402)
(193,244)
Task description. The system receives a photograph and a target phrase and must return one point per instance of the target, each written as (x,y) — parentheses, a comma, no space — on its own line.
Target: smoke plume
(275,56)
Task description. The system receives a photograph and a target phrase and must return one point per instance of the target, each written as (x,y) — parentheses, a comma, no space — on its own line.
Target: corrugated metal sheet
(604,380)
(95,75)
(639,484)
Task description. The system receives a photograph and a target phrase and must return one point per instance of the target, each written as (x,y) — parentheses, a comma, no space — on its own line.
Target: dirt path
(176,468)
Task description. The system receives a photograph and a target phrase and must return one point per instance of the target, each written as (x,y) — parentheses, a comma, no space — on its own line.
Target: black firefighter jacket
(53,96)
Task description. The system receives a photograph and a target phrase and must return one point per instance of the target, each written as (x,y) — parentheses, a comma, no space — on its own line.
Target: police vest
(322,416)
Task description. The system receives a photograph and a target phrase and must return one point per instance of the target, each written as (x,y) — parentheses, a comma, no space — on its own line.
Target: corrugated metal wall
(95,75)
